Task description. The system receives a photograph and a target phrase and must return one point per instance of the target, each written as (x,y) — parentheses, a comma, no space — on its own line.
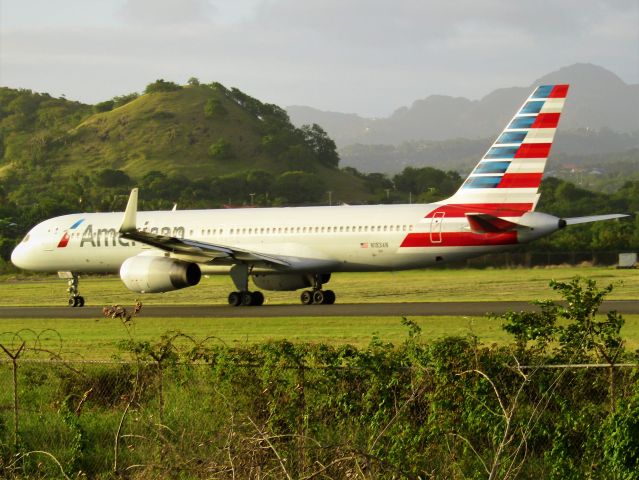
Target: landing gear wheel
(306,297)
(318,297)
(247,299)
(329,297)
(258,298)
(76,301)
(235,299)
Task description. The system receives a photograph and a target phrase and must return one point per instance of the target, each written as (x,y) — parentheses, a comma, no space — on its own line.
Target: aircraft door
(436,227)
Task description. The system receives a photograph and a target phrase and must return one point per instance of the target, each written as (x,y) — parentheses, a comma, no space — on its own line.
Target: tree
(321,144)
(213,108)
(193,82)
(105,106)
(221,150)
(299,187)
(112,178)
(162,85)
(432,182)
(121,100)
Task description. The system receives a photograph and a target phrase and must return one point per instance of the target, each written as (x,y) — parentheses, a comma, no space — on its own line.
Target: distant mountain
(598,100)
(462,154)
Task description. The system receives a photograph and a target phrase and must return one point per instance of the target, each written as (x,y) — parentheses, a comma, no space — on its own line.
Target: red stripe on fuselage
(496,209)
(520,180)
(546,120)
(533,150)
(459,239)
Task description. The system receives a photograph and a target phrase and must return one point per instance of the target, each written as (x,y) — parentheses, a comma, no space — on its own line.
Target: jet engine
(146,274)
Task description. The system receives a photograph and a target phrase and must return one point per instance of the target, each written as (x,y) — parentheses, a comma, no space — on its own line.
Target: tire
(80,301)
(246,299)
(258,298)
(329,297)
(235,299)
(318,297)
(306,297)
(73,301)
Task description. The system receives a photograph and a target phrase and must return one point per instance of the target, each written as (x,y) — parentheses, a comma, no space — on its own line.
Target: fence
(542,259)
(449,410)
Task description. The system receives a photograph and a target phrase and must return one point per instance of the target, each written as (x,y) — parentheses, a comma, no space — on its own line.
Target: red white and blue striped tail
(509,174)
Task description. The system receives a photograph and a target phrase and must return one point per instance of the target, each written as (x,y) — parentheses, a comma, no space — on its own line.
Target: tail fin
(509,174)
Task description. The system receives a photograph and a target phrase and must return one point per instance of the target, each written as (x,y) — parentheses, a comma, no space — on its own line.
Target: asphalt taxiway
(337,310)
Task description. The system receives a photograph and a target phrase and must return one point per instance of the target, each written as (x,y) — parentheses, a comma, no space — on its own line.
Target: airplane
(292,248)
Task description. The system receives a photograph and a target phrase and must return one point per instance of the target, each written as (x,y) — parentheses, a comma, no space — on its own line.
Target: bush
(221,150)
(106,106)
(162,85)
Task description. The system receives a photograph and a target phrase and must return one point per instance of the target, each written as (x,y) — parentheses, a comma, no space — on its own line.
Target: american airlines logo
(64,241)
(110,237)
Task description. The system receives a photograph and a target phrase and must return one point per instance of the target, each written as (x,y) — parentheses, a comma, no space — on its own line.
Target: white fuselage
(340,238)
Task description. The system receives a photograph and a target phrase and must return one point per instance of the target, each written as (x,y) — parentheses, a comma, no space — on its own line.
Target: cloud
(166,12)
(364,56)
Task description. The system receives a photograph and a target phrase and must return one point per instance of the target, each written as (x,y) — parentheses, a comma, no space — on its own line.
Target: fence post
(14,360)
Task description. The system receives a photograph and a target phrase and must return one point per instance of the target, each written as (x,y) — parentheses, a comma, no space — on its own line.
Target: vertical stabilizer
(509,174)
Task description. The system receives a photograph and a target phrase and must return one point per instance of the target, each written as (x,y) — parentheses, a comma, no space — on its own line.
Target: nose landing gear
(75,299)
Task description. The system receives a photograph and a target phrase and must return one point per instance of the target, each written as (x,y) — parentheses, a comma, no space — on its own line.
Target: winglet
(129,220)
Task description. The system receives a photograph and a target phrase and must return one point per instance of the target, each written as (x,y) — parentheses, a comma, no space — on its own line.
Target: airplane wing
(192,250)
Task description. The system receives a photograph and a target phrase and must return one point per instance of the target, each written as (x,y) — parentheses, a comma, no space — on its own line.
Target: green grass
(97,338)
(411,286)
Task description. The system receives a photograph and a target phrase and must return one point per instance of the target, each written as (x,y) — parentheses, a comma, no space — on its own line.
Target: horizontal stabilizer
(593,218)
(486,223)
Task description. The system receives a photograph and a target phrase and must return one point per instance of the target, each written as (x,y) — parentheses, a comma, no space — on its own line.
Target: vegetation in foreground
(452,408)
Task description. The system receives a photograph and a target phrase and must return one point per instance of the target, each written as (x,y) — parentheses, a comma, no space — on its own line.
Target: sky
(368,57)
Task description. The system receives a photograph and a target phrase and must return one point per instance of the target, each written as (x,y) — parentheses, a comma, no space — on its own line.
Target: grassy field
(97,338)
(409,286)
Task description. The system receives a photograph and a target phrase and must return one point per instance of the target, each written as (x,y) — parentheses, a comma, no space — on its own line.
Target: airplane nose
(19,256)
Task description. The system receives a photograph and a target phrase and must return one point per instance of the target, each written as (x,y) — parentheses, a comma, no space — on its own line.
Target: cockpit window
(26,238)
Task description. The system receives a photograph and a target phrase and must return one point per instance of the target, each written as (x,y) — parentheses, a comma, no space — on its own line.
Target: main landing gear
(244,298)
(75,299)
(317,296)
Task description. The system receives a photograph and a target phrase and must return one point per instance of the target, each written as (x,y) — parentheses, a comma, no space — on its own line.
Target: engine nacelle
(147,274)
(282,281)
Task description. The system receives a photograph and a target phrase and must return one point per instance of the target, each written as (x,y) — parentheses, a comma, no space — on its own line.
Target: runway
(415,309)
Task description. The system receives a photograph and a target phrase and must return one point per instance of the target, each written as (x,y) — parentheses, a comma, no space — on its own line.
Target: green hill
(195,131)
